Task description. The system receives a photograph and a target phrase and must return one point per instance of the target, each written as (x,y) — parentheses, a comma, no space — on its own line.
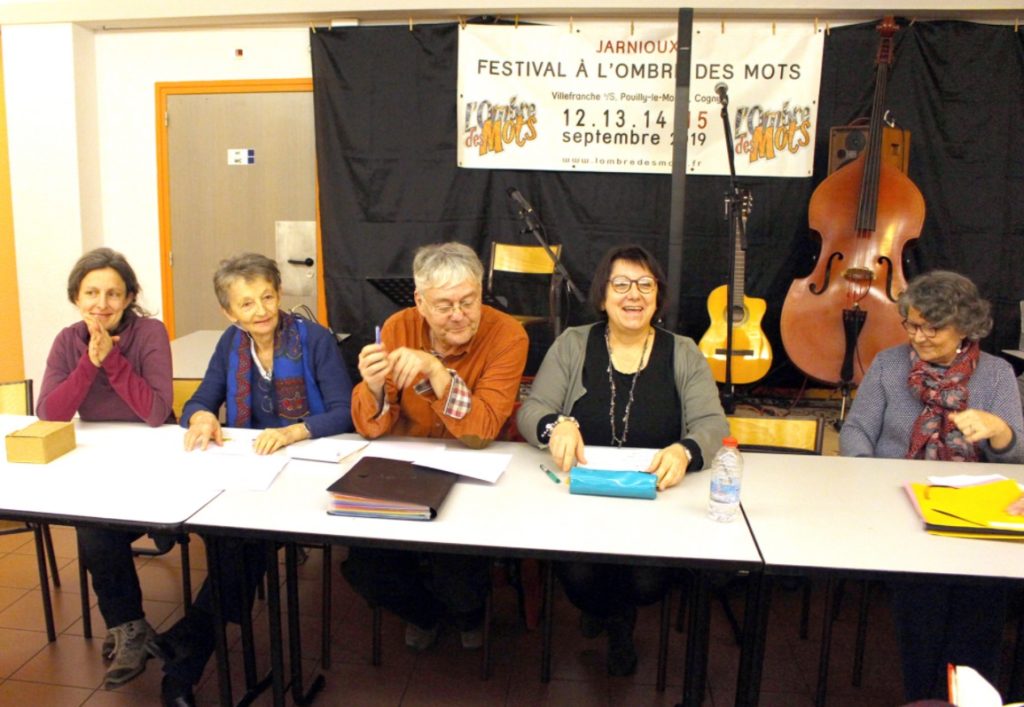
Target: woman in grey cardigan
(623,382)
(940,397)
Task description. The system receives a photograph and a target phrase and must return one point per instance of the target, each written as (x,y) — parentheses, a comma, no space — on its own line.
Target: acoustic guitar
(750,353)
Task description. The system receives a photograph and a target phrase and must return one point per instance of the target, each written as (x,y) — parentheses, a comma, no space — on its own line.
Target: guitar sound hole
(738,315)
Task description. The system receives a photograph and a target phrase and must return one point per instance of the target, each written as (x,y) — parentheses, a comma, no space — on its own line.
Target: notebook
(388,488)
(970,511)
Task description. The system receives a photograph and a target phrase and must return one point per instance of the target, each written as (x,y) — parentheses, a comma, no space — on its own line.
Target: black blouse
(656,410)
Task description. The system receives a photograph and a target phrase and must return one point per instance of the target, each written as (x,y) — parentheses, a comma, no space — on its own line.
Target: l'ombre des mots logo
(491,127)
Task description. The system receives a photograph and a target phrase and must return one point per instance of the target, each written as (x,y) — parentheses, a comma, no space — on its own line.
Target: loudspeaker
(847,142)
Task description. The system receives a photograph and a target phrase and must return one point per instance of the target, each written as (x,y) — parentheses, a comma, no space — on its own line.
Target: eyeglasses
(446,309)
(927,330)
(644,285)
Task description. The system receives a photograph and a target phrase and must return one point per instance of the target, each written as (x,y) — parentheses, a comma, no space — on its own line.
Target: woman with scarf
(939,397)
(114,365)
(272,371)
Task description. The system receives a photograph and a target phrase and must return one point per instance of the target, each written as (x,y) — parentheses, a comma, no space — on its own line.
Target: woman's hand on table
(566,445)
(274,438)
(1017,507)
(203,428)
(669,464)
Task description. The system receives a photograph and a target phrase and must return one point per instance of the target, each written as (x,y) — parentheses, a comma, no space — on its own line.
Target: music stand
(400,291)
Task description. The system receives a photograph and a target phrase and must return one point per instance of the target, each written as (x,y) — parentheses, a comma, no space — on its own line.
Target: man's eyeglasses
(927,330)
(644,285)
(445,309)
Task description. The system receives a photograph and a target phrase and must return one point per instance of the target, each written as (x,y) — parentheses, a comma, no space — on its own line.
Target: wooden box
(40,442)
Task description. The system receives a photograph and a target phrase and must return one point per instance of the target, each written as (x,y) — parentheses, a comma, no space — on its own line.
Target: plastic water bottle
(726,476)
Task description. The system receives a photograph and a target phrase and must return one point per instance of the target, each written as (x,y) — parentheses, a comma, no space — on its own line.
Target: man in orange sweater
(449,367)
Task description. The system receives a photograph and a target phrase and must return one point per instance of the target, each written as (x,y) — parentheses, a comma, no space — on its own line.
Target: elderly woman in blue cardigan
(939,397)
(272,371)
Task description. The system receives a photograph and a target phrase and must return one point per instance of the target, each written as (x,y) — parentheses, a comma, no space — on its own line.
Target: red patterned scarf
(942,390)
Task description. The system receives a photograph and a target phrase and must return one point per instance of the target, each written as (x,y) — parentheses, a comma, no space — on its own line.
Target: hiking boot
(107,649)
(132,648)
(420,639)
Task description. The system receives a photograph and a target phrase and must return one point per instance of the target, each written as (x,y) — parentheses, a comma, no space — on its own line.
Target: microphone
(722,89)
(526,211)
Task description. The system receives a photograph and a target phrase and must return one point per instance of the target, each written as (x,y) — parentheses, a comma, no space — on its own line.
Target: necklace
(616,440)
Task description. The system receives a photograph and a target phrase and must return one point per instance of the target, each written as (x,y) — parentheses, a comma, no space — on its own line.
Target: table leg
(83,582)
(325,597)
(220,641)
(755,630)
(695,675)
(826,644)
(245,624)
(274,625)
(1017,670)
(549,594)
(44,583)
(300,696)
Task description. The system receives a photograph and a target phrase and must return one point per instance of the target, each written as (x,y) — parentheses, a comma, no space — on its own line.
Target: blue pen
(376,334)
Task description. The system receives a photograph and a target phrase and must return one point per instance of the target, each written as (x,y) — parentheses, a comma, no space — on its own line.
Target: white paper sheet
(619,458)
(960,481)
(486,466)
(324,449)
(406,451)
(231,472)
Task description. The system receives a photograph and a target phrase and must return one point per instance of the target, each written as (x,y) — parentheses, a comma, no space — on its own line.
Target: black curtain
(386,131)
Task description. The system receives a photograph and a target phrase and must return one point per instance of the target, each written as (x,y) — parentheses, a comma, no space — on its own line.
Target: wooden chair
(528,260)
(16,398)
(772,435)
(793,435)
(781,435)
(184,388)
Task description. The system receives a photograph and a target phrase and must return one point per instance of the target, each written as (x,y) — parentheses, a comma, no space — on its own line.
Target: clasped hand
(403,364)
(567,448)
(101,343)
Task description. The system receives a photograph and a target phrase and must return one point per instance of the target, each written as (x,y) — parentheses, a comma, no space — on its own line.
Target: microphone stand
(737,209)
(533,225)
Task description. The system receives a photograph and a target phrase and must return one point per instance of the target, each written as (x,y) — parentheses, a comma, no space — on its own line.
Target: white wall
(39,66)
(81,121)
(128,65)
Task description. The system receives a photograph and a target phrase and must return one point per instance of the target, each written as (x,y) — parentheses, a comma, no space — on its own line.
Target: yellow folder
(969,512)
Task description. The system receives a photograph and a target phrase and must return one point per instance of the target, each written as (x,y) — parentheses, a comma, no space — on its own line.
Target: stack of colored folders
(977,511)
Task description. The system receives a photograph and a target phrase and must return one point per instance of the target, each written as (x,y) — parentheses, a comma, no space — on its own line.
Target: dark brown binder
(387,488)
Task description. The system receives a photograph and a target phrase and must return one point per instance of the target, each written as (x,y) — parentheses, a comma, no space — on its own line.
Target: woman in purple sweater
(114,365)
(939,397)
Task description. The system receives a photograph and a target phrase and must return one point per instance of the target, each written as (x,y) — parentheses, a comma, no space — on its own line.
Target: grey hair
(444,265)
(248,267)
(943,298)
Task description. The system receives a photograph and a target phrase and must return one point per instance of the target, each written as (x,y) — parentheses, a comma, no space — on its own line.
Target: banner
(771,73)
(594,97)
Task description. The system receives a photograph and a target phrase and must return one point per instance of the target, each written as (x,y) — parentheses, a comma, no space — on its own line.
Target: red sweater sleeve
(64,387)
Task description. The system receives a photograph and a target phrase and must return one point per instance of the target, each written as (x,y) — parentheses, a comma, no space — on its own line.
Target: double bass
(838,318)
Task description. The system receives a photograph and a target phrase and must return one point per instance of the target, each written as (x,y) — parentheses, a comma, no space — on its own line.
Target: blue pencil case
(603,482)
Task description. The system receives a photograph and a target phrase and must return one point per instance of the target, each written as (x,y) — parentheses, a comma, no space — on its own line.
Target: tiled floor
(70,671)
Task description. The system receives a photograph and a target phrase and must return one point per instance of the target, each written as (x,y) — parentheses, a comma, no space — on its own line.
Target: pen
(551,474)
(376,334)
